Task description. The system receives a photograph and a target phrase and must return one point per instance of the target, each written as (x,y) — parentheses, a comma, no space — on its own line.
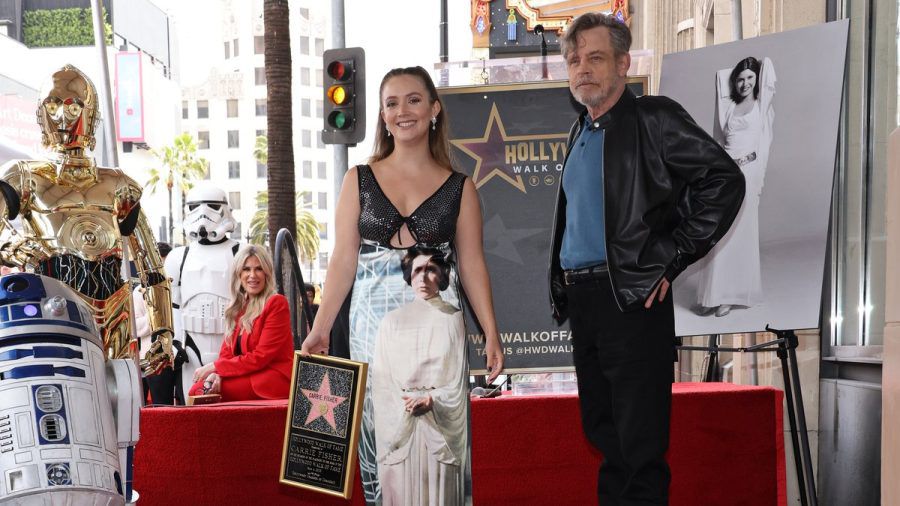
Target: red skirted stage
(727,447)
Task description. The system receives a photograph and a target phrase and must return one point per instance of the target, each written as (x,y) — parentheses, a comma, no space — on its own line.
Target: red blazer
(267,352)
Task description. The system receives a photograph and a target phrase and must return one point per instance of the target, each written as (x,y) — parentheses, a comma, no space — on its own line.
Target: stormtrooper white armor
(201,275)
(68,417)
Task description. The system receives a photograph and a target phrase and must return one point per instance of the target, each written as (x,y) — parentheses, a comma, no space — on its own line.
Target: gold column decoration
(481,23)
(556,15)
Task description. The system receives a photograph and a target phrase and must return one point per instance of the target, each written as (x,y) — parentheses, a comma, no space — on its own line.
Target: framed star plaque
(322,429)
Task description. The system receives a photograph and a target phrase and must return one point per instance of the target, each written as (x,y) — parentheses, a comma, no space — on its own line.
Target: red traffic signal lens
(338,95)
(339,120)
(338,70)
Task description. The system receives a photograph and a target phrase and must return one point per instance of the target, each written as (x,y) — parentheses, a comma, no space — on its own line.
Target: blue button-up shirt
(583,243)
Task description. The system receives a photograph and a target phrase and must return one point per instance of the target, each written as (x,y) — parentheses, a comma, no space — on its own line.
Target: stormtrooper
(81,223)
(201,282)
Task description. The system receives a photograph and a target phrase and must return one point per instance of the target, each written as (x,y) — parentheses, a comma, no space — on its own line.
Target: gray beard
(592,100)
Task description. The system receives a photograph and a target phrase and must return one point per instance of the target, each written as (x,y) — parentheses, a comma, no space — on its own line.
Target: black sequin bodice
(432,223)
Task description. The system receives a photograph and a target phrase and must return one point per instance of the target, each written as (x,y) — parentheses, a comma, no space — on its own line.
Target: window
(259,44)
(227,50)
(262,107)
(306,137)
(234,46)
(234,198)
(323,200)
(320,47)
(307,199)
(321,170)
(202,140)
(202,109)
(323,231)
(260,75)
(304,77)
(304,12)
(319,142)
(307,174)
(231,106)
(262,133)
(320,108)
(319,78)
(234,139)
(305,105)
(237,231)
(234,170)
(304,45)
(261,171)
(323,259)
(184,109)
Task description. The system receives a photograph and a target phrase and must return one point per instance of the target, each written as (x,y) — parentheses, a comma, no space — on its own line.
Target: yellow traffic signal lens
(337,70)
(339,120)
(338,95)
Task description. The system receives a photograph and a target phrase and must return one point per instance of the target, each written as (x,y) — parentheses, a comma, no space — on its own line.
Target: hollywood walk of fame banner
(511,140)
(322,427)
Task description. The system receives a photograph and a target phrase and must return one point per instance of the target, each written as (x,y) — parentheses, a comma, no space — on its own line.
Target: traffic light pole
(341,158)
(337,40)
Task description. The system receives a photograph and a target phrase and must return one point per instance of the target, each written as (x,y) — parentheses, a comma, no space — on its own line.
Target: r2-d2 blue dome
(58,435)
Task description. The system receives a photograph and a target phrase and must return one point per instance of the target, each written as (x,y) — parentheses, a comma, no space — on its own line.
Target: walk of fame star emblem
(323,403)
(489,154)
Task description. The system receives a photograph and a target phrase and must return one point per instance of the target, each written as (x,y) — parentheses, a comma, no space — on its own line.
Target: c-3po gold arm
(149,266)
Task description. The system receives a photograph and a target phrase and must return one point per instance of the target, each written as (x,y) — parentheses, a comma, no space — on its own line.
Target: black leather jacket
(670,193)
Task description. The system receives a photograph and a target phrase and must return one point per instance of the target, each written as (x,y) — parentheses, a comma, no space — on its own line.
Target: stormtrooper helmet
(208,214)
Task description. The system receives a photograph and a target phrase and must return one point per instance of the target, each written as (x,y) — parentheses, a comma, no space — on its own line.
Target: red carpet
(727,448)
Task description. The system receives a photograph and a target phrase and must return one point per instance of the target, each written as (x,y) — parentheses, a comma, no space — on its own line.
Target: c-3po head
(69,112)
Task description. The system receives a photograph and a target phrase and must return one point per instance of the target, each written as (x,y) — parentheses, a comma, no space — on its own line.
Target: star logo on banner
(501,241)
(489,152)
(323,403)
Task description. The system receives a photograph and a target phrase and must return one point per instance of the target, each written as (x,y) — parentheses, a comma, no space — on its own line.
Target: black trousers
(161,387)
(624,366)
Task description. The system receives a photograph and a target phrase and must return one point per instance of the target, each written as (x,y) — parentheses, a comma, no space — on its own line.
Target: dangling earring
(388,131)
(434,122)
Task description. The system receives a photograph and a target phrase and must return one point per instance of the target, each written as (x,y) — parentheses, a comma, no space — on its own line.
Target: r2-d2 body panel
(58,436)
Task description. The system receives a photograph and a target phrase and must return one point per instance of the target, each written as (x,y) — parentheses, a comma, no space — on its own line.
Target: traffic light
(345,96)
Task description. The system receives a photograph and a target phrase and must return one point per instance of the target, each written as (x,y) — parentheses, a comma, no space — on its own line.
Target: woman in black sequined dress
(414,440)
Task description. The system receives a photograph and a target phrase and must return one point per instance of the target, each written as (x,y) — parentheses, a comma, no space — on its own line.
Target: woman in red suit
(258,350)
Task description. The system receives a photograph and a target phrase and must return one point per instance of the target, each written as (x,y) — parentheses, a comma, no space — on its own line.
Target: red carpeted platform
(727,448)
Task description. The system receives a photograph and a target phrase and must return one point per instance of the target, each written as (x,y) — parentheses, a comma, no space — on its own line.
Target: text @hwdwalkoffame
(535,342)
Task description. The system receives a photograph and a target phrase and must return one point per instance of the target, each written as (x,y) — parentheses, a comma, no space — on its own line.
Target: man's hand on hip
(661,289)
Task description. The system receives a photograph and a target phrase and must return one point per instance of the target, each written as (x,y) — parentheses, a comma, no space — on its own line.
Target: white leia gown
(420,350)
(732,273)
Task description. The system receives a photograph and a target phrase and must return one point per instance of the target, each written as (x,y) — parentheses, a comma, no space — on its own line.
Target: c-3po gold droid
(79,219)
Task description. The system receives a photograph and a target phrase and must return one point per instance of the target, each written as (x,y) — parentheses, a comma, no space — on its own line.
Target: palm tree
(180,167)
(306,232)
(261,149)
(280,158)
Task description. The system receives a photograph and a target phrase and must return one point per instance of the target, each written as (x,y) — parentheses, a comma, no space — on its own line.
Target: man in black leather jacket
(645,192)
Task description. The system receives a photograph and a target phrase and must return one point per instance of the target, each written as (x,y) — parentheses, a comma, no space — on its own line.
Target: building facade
(228,111)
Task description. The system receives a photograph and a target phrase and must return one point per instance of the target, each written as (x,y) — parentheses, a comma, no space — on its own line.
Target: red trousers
(236,388)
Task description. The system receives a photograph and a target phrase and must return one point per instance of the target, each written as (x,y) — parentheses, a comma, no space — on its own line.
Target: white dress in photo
(420,350)
(732,273)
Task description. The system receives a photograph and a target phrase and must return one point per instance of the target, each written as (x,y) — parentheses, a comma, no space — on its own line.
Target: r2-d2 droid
(68,417)
(201,281)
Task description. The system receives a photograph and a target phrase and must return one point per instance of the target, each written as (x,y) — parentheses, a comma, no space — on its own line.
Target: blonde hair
(247,306)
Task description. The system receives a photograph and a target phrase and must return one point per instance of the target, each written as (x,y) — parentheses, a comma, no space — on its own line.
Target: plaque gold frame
(351,439)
